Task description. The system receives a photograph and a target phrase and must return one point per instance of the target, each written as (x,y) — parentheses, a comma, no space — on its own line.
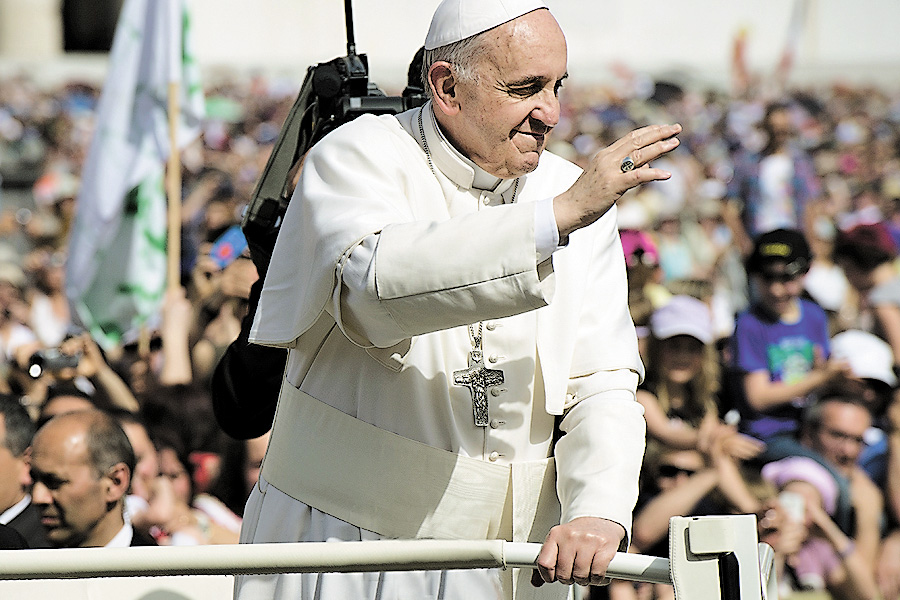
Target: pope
(462,363)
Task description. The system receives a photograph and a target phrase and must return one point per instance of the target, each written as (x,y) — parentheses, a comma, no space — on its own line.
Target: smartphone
(228,246)
(794,505)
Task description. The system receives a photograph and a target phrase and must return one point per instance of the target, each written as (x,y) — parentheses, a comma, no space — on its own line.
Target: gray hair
(18,425)
(462,55)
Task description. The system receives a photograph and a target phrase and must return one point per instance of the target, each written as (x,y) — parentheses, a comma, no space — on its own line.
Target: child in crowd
(826,560)
(781,352)
(679,392)
(780,348)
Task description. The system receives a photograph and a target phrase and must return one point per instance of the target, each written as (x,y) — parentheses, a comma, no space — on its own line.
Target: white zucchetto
(455,20)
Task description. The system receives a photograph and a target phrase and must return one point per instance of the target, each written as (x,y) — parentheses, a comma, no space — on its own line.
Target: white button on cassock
(493,456)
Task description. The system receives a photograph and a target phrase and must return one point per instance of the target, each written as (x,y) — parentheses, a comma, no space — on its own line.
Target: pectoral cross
(478,378)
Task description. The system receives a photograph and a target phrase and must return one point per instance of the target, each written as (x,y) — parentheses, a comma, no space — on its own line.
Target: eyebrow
(530,80)
(39,476)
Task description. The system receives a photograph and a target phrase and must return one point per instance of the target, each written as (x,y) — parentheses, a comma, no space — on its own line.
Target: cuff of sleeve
(546,231)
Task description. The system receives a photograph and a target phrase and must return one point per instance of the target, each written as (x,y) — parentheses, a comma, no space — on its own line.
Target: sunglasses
(668,471)
(778,277)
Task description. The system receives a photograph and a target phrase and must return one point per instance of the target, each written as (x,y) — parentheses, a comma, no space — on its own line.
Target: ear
(24,466)
(442,80)
(119,477)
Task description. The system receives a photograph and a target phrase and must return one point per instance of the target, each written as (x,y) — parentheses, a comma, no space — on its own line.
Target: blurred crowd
(763,281)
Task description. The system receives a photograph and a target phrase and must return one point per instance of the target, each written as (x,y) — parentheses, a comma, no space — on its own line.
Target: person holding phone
(828,559)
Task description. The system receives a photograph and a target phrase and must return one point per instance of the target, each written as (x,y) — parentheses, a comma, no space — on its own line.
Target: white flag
(116,268)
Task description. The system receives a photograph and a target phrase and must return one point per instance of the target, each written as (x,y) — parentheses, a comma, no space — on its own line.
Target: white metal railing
(344,557)
(711,558)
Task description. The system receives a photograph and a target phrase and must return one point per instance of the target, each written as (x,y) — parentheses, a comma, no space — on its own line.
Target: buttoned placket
(496,394)
(493,358)
(488,198)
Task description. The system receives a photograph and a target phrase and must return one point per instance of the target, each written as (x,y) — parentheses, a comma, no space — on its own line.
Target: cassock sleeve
(416,278)
(598,459)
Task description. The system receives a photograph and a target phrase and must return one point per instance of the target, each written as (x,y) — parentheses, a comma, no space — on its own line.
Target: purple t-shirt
(787,352)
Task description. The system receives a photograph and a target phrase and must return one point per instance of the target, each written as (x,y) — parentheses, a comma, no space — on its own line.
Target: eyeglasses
(668,471)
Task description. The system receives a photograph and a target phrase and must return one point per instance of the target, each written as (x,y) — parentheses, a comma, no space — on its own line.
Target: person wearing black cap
(781,347)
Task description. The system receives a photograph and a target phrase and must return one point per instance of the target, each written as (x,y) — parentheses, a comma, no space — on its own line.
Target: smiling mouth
(538,137)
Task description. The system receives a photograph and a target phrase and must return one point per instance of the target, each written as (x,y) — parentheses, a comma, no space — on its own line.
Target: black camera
(332,94)
(247,378)
(51,360)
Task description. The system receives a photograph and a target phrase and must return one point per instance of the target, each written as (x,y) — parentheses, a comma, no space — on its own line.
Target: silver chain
(431,164)
(474,338)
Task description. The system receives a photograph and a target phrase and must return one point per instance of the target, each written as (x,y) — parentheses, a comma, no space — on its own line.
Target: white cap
(456,20)
(682,315)
(870,357)
(827,285)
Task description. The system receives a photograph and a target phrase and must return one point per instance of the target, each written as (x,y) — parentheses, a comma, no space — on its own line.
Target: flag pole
(173,192)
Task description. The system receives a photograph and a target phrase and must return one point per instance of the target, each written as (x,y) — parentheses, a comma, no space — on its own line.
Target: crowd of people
(762,278)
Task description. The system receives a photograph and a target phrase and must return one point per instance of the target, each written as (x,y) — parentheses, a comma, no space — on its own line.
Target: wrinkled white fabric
(385,265)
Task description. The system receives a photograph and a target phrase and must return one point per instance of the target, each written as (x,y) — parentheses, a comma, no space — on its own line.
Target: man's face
(508,111)
(13,472)
(840,436)
(71,496)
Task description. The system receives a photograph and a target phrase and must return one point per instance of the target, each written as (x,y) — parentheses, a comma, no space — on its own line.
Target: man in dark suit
(16,508)
(81,466)
(10,539)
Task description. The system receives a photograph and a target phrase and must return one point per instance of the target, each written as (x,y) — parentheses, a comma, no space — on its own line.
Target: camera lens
(50,359)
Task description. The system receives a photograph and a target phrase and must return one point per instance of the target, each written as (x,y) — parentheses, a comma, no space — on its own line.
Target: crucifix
(478,378)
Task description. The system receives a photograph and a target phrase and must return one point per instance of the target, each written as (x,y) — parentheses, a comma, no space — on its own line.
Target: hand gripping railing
(711,557)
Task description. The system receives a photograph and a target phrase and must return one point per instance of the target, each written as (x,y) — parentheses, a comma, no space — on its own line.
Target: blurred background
(751,83)
(693,39)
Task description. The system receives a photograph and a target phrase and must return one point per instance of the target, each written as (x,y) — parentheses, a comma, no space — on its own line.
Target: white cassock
(384,260)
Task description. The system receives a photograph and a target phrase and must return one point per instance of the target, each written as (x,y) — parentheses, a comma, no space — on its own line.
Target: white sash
(404,489)
(401,488)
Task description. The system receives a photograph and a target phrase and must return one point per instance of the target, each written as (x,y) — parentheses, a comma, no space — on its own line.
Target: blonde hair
(701,394)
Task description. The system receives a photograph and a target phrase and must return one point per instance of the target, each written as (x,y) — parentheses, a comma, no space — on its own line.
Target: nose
(547,109)
(40,494)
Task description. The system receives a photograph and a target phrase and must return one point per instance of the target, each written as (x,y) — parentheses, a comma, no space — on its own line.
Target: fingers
(578,552)
(546,561)
(603,181)
(647,143)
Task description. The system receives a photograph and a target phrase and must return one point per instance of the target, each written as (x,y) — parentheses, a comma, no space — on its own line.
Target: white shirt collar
(450,161)
(15,510)
(123,538)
